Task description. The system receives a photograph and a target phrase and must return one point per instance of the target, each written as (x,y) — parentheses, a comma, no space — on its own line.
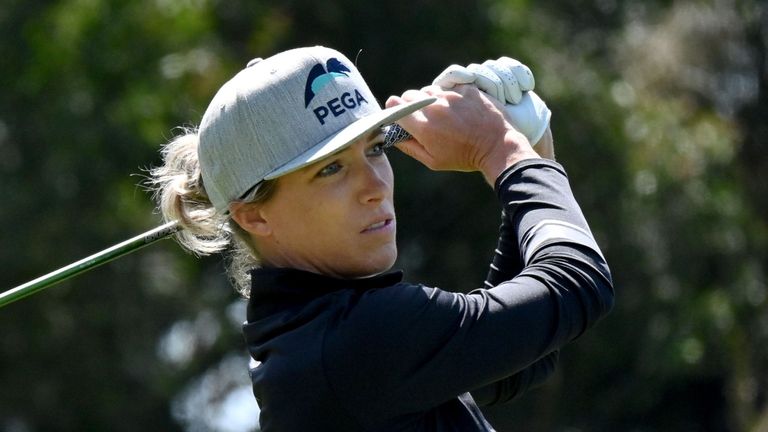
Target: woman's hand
(511,83)
(465,130)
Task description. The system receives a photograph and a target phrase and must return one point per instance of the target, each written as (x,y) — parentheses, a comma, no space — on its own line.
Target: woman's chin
(377,265)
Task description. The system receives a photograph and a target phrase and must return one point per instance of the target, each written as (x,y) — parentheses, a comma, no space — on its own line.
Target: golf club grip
(394,135)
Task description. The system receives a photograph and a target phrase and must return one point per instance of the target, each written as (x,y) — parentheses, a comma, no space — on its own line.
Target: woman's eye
(377,149)
(329,169)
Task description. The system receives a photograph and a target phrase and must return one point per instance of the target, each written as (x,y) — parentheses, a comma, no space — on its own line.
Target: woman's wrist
(514,148)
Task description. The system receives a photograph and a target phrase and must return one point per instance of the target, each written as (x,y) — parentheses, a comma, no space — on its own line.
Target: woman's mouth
(384,225)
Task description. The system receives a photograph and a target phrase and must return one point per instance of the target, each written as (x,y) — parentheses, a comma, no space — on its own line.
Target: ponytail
(180,194)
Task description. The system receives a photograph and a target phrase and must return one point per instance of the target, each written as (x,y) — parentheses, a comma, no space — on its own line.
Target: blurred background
(659,118)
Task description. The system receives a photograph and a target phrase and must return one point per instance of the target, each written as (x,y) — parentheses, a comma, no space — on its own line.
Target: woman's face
(335,217)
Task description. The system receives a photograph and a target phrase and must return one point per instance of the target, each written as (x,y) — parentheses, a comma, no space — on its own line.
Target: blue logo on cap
(319,77)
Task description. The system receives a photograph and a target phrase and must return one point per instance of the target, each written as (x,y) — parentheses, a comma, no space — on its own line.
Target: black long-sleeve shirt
(379,354)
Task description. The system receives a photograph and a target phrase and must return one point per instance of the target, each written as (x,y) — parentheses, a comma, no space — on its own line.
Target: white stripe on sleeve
(550,230)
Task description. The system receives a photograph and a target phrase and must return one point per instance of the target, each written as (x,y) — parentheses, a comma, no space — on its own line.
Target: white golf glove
(511,83)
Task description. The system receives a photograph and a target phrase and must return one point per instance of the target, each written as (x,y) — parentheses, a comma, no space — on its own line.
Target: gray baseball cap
(283,113)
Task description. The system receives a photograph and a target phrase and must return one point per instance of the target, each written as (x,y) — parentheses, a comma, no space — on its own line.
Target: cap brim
(349,135)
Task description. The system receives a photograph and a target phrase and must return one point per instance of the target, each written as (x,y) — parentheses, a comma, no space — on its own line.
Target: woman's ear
(250,218)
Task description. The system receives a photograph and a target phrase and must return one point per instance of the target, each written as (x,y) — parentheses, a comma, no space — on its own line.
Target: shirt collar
(273,289)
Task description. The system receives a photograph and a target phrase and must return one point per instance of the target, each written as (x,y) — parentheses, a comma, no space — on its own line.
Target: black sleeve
(511,387)
(411,347)
(506,264)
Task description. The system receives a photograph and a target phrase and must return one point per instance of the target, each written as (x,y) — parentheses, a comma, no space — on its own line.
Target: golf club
(394,135)
(88,263)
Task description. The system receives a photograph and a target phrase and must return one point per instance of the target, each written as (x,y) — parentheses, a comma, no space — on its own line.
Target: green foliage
(658,117)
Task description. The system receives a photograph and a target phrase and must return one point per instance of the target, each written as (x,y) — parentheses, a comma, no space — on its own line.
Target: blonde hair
(179,191)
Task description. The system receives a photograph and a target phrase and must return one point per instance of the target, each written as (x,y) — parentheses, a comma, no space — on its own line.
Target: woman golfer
(288,170)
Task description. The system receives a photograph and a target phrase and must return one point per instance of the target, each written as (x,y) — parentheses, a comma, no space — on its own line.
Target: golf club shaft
(89,263)
(394,135)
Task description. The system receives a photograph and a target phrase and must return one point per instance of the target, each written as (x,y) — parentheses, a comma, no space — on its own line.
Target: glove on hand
(511,83)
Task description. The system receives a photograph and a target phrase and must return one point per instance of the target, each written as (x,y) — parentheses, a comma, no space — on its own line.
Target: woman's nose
(376,182)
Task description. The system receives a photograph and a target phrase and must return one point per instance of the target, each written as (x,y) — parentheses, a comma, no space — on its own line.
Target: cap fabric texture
(282,113)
